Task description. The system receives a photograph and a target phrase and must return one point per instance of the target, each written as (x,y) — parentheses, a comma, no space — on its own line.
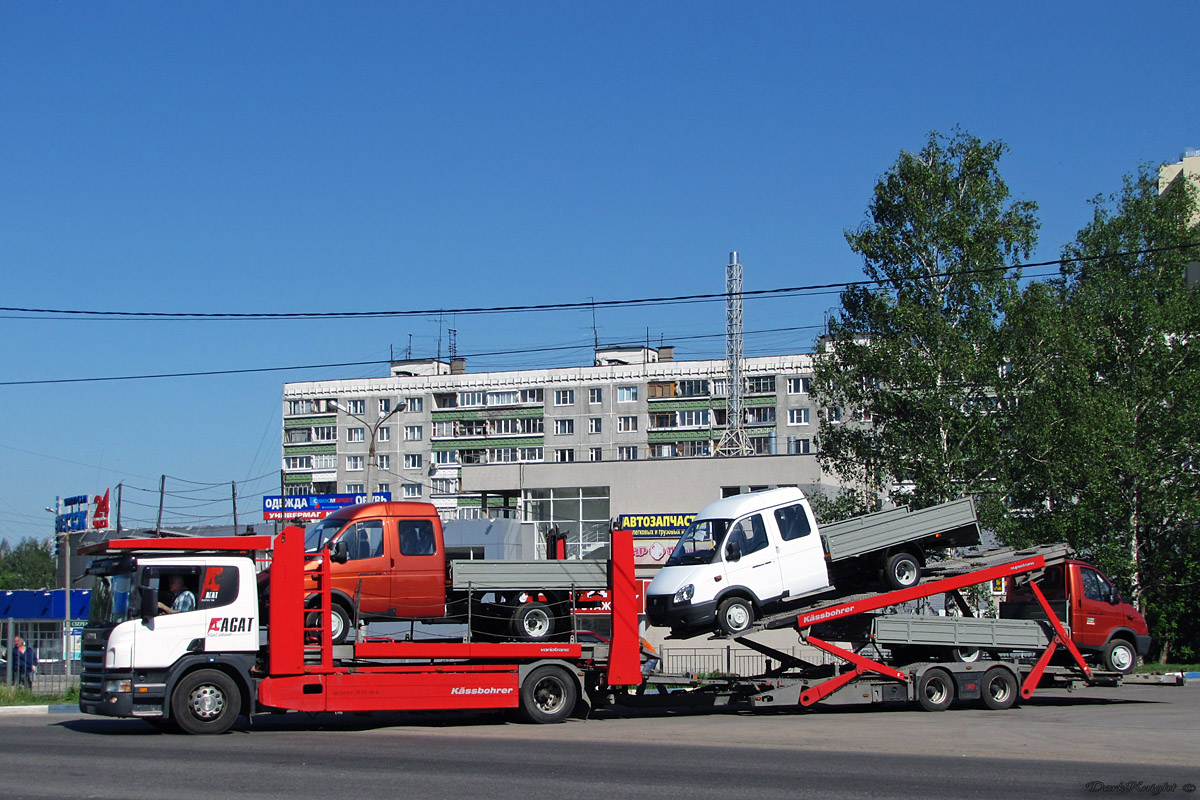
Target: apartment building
(572,448)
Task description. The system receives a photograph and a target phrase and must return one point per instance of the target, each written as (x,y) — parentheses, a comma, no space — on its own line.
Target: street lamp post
(373,430)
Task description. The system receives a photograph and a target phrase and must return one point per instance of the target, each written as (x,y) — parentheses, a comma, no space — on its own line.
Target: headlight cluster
(112,687)
(684,594)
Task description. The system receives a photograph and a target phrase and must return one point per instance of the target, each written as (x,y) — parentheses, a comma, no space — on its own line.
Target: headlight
(113,687)
(684,595)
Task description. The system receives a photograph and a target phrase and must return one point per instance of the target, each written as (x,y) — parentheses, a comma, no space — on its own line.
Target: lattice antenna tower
(734,441)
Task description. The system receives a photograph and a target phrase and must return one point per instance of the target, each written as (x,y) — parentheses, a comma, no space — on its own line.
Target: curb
(15,711)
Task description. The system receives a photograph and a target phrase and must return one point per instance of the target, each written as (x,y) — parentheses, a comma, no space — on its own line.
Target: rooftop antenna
(453,342)
(409,356)
(734,441)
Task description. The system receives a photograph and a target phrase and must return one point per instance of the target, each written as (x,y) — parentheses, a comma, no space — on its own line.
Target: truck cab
(739,556)
(1101,623)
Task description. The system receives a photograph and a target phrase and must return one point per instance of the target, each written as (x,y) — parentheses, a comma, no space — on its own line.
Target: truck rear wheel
(901,571)
(548,694)
(935,690)
(1119,656)
(999,690)
(533,621)
(206,701)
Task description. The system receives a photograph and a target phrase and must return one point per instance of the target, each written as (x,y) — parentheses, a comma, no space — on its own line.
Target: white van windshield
(698,543)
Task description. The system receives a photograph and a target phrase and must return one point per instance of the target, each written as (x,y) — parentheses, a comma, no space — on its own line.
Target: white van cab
(739,555)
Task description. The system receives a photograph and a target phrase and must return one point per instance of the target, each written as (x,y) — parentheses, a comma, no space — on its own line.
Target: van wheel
(533,622)
(206,701)
(735,616)
(548,695)
(901,571)
(1119,656)
(339,623)
(999,690)
(935,690)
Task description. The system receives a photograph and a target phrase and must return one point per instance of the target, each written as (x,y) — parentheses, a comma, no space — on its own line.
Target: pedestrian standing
(24,662)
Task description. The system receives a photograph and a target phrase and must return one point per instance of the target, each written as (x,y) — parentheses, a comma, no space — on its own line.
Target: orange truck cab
(1101,623)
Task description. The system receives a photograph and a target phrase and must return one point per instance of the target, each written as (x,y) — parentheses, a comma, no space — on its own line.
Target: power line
(589,304)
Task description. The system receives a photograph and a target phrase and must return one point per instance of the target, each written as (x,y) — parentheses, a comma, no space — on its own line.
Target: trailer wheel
(548,695)
(999,690)
(1119,656)
(206,701)
(901,571)
(533,621)
(935,690)
(735,616)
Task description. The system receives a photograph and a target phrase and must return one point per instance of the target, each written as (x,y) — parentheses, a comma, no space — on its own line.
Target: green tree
(29,565)
(919,350)
(1103,453)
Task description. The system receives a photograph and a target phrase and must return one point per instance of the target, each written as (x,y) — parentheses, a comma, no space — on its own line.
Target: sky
(280,157)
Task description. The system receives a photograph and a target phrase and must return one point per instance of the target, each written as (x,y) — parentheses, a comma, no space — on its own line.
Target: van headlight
(684,594)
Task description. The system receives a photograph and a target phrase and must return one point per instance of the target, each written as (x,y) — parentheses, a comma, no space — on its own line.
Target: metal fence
(51,640)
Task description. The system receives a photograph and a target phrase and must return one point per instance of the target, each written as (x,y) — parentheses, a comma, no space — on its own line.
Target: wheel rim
(536,623)
(337,627)
(549,695)
(905,572)
(207,702)
(999,690)
(1121,658)
(968,656)
(737,617)
(936,691)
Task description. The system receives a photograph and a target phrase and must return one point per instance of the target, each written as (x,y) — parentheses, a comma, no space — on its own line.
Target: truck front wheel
(1119,656)
(548,694)
(901,571)
(735,616)
(206,701)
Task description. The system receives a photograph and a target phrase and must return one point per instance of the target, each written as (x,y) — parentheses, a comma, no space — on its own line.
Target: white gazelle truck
(745,554)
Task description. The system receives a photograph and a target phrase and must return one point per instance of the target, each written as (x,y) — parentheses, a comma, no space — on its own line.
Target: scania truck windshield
(115,597)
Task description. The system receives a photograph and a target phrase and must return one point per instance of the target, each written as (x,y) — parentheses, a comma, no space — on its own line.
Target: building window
(413,460)
(325,433)
(581,514)
(564,456)
(472,456)
(383,461)
(564,397)
(692,449)
(797,446)
(531,395)
(798,416)
(595,395)
(414,403)
(594,425)
(326,461)
(443,457)
(412,490)
(693,388)
(763,446)
(626,424)
(383,488)
(662,451)
(658,390)
(564,426)
(443,486)
(626,394)
(470,399)
(297,462)
(356,434)
(443,429)
(384,434)
(798,385)
(835,414)
(354,463)
(356,407)
(385,406)
(531,454)
(692,419)
(354,488)
(445,400)
(627,453)
(761,415)
(761,384)
(595,454)
(412,433)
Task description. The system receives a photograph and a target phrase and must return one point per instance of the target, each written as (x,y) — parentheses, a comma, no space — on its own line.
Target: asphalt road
(1127,741)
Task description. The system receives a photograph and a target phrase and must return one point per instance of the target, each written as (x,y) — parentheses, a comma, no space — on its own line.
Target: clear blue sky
(271,157)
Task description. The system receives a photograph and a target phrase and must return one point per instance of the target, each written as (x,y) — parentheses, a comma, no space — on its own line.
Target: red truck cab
(394,562)
(1101,623)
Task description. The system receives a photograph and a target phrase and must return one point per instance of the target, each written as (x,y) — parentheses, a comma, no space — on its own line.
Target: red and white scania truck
(240,652)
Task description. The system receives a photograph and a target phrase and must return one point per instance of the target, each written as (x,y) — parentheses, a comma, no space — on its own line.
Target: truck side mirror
(733,551)
(339,553)
(149,603)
